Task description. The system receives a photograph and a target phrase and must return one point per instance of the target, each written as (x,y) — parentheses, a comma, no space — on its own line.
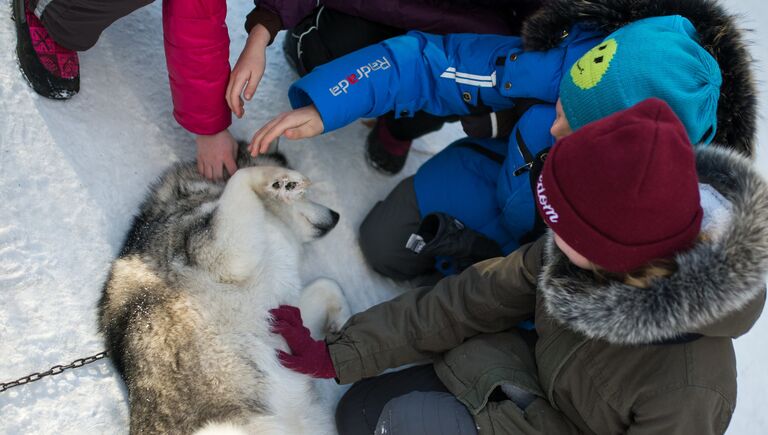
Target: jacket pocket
(474,369)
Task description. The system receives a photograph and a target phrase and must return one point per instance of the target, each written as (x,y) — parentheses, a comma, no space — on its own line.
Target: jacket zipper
(525,152)
(533,166)
(530,159)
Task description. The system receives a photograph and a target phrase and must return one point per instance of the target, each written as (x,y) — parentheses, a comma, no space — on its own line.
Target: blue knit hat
(653,57)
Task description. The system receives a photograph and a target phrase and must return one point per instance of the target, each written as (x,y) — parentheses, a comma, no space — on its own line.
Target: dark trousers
(77,24)
(327,34)
(408,402)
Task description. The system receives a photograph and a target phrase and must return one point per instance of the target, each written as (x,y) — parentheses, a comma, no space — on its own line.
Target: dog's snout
(334,218)
(328,225)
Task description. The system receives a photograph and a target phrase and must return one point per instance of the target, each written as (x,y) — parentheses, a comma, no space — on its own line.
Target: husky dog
(185,309)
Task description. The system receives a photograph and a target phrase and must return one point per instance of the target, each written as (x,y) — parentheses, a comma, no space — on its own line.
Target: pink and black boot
(52,70)
(384,152)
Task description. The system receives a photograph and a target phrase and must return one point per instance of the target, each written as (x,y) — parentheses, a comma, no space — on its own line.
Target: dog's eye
(291,185)
(276,185)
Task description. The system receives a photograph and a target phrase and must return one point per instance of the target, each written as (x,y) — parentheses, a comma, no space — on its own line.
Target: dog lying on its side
(185,307)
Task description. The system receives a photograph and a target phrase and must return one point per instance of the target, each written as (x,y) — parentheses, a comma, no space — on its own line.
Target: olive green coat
(610,358)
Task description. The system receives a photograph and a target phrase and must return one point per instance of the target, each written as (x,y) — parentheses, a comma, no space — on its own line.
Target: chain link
(55,370)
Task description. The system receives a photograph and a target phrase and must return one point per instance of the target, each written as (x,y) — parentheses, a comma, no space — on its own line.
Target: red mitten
(308,356)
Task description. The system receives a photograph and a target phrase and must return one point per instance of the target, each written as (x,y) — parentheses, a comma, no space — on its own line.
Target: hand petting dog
(308,356)
(297,124)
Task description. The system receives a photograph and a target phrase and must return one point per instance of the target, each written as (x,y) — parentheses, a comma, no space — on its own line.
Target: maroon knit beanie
(623,190)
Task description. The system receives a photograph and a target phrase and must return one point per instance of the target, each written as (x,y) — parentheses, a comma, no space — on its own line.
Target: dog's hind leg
(323,307)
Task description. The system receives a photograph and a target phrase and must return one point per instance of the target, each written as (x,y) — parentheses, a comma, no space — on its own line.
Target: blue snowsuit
(486,183)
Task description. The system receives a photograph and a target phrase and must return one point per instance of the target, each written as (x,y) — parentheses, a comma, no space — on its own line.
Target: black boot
(384,152)
(442,235)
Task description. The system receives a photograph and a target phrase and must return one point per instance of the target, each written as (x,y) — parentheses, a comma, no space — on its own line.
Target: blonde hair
(645,274)
(642,276)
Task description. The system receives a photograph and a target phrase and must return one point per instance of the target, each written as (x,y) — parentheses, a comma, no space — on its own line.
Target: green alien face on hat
(590,68)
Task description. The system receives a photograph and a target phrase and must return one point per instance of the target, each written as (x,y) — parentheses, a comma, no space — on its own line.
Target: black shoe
(442,235)
(378,156)
(62,79)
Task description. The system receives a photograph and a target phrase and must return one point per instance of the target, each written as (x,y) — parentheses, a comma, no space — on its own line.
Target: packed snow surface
(72,175)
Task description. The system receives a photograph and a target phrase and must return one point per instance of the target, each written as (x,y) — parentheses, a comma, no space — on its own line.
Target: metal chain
(55,370)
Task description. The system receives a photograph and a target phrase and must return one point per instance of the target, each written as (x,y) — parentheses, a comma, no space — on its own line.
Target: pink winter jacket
(197,55)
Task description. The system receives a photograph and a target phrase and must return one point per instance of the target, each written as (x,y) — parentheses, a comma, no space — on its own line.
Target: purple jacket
(501,17)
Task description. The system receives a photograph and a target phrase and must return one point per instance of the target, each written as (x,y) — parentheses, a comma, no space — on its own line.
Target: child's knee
(377,241)
(423,413)
(385,231)
(351,418)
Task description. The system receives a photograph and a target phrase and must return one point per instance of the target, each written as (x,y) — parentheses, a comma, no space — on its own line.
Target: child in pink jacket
(51,32)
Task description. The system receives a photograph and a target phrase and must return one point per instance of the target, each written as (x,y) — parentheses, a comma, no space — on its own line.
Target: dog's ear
(274,158)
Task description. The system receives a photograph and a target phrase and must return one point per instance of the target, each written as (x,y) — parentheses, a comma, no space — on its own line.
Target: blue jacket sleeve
(441,75)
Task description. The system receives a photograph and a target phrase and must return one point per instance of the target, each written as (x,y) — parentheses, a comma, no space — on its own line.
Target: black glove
(497,124)
(442,235)
(494,124)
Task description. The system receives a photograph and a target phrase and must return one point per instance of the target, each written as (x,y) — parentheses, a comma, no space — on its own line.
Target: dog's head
(284,196)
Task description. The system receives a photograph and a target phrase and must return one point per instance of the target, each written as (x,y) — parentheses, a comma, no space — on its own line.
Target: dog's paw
(338,314)
(337,310)
(324,307)
(287,185)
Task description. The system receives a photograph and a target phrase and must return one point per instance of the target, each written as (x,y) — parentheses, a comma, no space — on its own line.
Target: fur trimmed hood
(718,289)
(719,33)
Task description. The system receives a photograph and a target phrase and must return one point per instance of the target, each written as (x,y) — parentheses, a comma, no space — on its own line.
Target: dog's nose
(325,227)
(335,217)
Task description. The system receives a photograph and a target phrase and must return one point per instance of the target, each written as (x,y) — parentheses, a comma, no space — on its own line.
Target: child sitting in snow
(638,290)
(483,187)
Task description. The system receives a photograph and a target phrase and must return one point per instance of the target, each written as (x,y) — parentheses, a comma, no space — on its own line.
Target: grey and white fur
(185,309)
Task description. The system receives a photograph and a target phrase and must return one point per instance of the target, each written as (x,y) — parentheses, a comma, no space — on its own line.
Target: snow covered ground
(73,173)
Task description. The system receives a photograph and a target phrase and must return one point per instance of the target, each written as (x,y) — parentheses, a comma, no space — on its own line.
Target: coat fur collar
(716,278)
(719,34)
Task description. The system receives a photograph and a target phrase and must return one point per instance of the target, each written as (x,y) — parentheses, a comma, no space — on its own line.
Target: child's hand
(248,70)
(296,124)
(308,356)
(214,153)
